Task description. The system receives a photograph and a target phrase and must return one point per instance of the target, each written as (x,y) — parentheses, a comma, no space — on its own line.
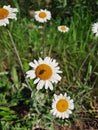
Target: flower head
(63,28)
(62,106)
(45,72)
(42,15)
(7,13)
(95,28)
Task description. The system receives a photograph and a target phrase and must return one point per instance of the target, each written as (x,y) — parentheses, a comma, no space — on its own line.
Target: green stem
(18,57)
(15,49)
(44,41)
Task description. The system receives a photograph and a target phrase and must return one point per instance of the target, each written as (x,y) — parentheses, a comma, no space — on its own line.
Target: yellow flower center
(42,14)
(63,28)
(62,105)
(3,13)
(43,71)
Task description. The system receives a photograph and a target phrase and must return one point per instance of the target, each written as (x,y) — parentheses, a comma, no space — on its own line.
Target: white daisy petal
(36,80)
(95,28)
(63,116)
(32,64)
(61,95)
(65,95)
(35,62)
(50,85)
(30,74)
(66,115)
(46,60)
(62,106)
(55,96)
(68,98)
(40,61)
(96,34)
(40,84)
(69,111)
(58,77)
(71,106)
(46,84)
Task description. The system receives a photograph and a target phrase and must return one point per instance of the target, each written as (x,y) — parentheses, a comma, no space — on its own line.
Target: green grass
(76,52)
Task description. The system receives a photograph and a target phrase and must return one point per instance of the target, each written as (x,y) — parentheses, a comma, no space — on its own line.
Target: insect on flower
(45,72)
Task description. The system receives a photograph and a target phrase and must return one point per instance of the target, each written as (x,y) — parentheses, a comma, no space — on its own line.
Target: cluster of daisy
(45,15)
(42,16)
(45,72)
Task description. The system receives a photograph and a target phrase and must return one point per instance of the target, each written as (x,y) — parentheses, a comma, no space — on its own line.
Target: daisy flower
(45,72)
(7,13)
(62,106)
(42,15)
(63,28)
(95,28)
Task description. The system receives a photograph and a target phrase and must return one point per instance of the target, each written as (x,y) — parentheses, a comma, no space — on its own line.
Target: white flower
(7,13)
(45,72)
(63,28)
(62,106)
(42,15)
(95,28)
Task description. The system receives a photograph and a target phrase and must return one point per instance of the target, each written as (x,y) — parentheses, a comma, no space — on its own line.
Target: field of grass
(21,106)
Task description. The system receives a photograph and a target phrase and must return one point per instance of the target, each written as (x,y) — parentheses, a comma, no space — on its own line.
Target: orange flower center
(43,71)
(63,28)
(3,13)
(42,14)
(62,105)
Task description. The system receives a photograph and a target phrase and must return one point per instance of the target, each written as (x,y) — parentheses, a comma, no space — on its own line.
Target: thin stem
(18,57)
(44,40)
(15,49)
(50,50)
